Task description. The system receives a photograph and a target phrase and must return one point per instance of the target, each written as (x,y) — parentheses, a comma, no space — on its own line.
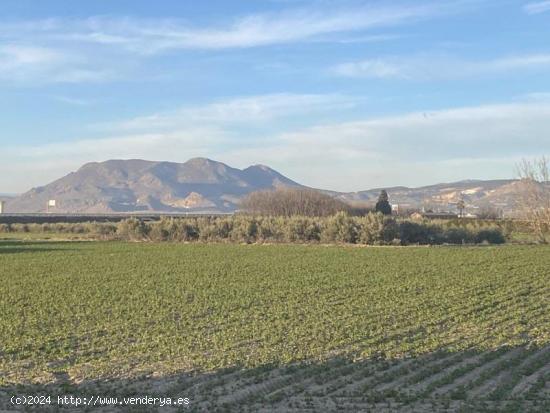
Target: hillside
(136,185)
(204,185)
(500,194)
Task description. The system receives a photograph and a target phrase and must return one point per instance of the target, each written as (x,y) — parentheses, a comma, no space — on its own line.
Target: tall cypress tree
(383,204)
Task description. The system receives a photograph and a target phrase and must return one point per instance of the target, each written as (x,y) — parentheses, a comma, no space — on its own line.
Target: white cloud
(374,68)
(444,134)
(21,55)
(410,149)
(102,48)
(34,64)
(15,58)
(425,68)
(156,35)
(243,110)
(537,7)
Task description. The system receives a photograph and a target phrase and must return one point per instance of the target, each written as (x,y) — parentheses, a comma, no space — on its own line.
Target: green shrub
(377,229)
(245,229)
(157,232)
(104,230)
(491,236)
(458,236)
(339,228)
(132,229)
(301,229)
(78,229)
(223,228)
(20,228)
(206,229)
(271,229)
(186,230)
(420,233)
(371,229)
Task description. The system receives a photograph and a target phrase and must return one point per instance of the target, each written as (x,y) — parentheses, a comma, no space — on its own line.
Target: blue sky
(343,95)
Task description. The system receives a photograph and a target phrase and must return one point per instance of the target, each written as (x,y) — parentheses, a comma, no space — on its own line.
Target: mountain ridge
(135,185)
(205,185)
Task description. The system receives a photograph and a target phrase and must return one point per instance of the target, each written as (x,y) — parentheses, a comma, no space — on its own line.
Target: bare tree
(535,196)
(291,202)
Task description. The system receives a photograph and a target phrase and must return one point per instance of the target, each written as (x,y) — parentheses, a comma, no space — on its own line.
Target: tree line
(341,228)
(288,202)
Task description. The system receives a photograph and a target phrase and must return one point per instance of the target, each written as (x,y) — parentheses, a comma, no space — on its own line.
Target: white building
(2,204)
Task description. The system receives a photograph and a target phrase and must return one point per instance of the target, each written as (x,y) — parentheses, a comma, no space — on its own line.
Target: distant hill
(204,185)
(199,184)
(502,194)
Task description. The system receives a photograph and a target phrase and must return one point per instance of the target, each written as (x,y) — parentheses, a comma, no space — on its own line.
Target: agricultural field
(278,327)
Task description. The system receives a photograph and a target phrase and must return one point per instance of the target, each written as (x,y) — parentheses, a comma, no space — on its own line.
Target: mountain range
(202,185)
(136,185)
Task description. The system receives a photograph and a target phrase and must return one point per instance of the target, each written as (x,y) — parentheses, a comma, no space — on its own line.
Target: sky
(343,95)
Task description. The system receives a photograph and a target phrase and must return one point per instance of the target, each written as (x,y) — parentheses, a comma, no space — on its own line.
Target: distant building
(2,204)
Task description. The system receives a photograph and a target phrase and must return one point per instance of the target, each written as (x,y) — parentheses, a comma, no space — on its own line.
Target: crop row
(280,324)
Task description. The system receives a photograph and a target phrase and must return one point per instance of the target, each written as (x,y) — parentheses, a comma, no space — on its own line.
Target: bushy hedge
(434,234)
(96,229)
(371,229)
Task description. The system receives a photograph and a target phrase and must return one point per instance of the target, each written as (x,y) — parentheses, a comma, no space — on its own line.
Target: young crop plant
(264,325)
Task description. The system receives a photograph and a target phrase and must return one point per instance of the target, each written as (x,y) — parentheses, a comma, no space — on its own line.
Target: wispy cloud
(371,68)
(469,131)
(15,55)
(106,48)
(69,100)
(34,64)
(248,110)
(469,142)
(537,7)
(438,67)
(17,58)
(148,36)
